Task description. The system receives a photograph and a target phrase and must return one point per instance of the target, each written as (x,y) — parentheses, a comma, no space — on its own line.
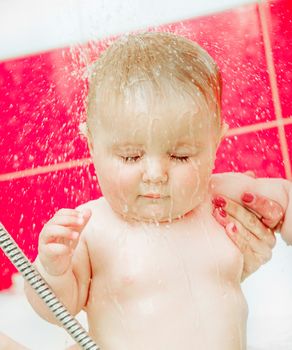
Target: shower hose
(32,276)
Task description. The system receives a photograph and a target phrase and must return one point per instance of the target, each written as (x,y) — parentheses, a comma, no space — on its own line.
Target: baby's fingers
(71,218)
(75,222)
(55,257)
(55,249)
(56,233)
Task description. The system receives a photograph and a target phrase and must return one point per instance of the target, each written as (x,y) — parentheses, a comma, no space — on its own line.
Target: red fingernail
(247,197)
(234,228)
(222,213)
(219,202)
(231,227)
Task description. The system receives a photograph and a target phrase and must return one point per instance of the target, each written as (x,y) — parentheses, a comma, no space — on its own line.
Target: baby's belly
(208,317)
(177,289)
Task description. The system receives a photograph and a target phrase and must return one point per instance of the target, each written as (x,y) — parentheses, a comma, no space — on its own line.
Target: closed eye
(129,159)
(182,159)
(134,159)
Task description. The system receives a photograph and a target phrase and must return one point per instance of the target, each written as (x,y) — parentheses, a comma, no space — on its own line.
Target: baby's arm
(63,261)
(232,185)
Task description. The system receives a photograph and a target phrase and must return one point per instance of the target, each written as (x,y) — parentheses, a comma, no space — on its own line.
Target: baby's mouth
(152,195)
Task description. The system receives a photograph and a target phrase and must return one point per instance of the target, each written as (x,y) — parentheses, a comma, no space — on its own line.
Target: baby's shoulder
(101,214)
(93,205)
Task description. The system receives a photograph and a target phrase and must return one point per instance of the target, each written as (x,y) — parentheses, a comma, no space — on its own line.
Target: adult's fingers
(244,239)
(255,251)
(247,219)
(271,212)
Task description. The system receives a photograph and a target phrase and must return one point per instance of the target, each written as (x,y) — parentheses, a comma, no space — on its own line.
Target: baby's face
(155,166)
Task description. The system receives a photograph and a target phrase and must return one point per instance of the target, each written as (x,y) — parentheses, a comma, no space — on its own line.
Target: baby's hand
(59,238)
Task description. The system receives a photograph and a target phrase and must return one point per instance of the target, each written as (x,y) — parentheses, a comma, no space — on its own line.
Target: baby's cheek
(190,183)
(185,177)
(127,178)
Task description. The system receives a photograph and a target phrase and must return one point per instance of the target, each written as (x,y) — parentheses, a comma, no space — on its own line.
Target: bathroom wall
(45,165)
(32,26)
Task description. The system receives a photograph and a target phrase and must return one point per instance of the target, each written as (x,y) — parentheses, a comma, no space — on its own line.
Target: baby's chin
(155,214)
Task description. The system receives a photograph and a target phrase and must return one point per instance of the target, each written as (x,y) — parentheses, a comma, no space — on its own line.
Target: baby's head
(153,119)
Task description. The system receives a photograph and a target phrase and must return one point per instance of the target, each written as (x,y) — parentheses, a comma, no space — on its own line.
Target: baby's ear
(84,132)
(222,132)
(224,129)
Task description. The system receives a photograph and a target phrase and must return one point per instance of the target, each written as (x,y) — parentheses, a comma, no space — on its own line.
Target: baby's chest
(137,262)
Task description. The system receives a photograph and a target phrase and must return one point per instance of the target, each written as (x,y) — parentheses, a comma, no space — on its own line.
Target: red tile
(259,151)
(41,103)
(234,39)
(279,19)
(27,203)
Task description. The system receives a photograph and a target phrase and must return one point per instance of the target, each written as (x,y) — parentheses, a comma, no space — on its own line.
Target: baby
(148,262)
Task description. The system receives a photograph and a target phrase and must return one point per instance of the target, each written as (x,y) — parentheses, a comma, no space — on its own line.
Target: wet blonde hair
(156,58)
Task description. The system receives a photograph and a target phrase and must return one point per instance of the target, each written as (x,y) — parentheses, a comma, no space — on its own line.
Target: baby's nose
(155,171)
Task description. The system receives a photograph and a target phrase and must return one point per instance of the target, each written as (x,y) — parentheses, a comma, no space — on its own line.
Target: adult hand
(251,225)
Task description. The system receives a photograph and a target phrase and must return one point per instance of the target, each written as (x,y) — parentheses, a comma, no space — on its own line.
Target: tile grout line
(87,161)
(274,88)
(45,169)
(259,126)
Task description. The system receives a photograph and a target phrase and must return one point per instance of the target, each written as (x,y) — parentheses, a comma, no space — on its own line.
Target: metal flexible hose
(32,276)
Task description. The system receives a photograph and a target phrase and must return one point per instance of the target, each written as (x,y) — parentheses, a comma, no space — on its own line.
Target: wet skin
(167,286)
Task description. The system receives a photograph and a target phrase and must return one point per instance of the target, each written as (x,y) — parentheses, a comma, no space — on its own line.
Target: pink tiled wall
(45,165)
